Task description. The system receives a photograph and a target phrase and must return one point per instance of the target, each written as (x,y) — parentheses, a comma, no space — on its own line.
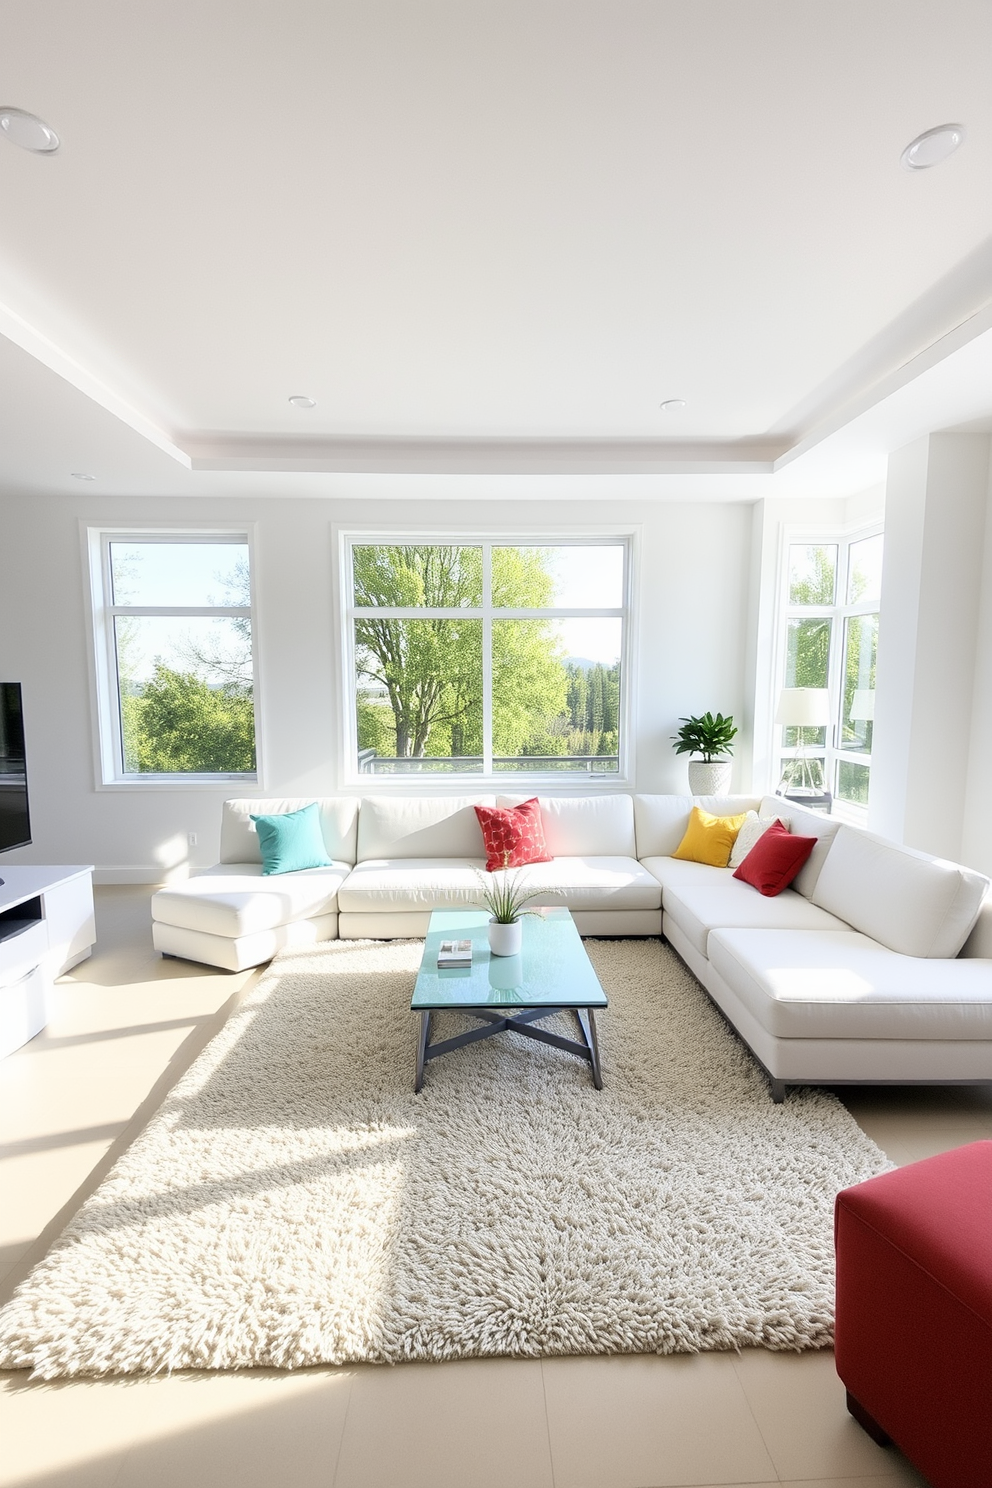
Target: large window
(174,655)
(486,657)
(830,642)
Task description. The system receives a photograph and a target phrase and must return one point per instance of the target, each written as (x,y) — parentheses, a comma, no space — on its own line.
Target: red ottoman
(914,1312)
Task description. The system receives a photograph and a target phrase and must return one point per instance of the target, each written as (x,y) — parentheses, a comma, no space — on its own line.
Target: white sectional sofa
(394,860)
(875,966)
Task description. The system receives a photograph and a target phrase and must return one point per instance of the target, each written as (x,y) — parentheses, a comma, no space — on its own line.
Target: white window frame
(843,539)
(509,781)
(107,712)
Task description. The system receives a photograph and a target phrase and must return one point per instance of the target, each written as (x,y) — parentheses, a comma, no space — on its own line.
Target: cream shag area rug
(293,1202)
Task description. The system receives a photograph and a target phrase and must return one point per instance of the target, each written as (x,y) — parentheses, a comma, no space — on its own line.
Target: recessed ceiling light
(932,146)
(82,475)
(672,405)
(300,400)
(28,131)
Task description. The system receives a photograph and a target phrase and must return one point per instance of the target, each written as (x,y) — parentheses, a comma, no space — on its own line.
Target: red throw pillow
(774,860)
(513,835)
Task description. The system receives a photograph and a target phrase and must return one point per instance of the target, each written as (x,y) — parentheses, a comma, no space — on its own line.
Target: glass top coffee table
(552,974)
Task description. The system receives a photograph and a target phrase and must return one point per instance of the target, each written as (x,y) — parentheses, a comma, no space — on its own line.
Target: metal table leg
(592,1040)
(425,1030)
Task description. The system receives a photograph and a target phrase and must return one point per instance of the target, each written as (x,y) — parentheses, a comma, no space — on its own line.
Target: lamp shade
(862,705)
(803,707)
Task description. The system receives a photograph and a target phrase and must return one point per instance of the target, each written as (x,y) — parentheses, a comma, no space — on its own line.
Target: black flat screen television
(15,823)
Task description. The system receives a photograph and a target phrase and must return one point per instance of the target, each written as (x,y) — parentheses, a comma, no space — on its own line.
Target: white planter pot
(505,940)
(710,779)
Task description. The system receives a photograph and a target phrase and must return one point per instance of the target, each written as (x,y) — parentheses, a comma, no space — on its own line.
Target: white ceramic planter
(505,940)
(710,779)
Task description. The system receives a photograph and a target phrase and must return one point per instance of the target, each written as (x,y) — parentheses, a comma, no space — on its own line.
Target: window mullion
(418,612)
(835,681)
(547,613)
(487,659)
(109,633)
(181,612)
(836,663)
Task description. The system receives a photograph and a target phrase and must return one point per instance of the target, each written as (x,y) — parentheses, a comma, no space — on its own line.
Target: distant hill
(582,662)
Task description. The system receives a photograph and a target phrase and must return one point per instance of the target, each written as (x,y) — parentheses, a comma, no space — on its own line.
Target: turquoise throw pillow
(291,841)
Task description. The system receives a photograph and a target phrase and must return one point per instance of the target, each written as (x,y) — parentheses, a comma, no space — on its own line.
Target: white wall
(976,829)
(690,636)
(928,646)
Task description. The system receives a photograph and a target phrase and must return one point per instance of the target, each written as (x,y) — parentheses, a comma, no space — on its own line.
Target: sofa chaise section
(878,992)
(232,915)
(839,1009)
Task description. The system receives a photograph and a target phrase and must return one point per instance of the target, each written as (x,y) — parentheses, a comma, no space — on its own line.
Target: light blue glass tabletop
(552,969)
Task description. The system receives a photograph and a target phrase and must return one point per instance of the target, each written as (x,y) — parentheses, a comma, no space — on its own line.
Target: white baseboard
(155,875)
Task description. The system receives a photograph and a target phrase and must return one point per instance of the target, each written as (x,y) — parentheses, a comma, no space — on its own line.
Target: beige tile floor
(123,1026)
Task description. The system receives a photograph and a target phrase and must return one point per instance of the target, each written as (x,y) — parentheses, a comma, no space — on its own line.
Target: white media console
(46,927)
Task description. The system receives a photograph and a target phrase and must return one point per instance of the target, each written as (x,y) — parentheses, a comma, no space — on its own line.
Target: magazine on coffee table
(454,953)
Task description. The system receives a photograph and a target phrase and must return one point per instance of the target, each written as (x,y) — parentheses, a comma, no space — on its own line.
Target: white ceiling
(490,237)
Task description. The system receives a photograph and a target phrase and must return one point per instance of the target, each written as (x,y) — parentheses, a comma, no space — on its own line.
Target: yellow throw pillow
(709,839)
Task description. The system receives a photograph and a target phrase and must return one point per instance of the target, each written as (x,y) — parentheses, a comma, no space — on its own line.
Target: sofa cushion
(585,826)
(912,903)
(843,985)
(236,899)
(411,883)
(583,883)
(420,827)
(659,824)
(338,825)
(671,872)
(596,882)
(699,909)
(805,823)
(236,952)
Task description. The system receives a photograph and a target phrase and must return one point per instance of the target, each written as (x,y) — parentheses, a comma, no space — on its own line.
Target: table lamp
(802,708)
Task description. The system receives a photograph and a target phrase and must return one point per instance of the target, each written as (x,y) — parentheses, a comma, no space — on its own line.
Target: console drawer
(22,1010)
(23,944)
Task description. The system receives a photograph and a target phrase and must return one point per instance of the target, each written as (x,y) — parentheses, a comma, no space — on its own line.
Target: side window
(826,705)
(174,655)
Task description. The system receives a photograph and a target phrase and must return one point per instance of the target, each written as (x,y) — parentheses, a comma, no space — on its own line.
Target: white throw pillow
(755,826)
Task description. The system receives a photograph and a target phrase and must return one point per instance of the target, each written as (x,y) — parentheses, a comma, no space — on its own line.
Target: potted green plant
(709,736)
(504,894)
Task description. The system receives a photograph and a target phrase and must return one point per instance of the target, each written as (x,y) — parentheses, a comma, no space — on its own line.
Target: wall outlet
(190,839)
